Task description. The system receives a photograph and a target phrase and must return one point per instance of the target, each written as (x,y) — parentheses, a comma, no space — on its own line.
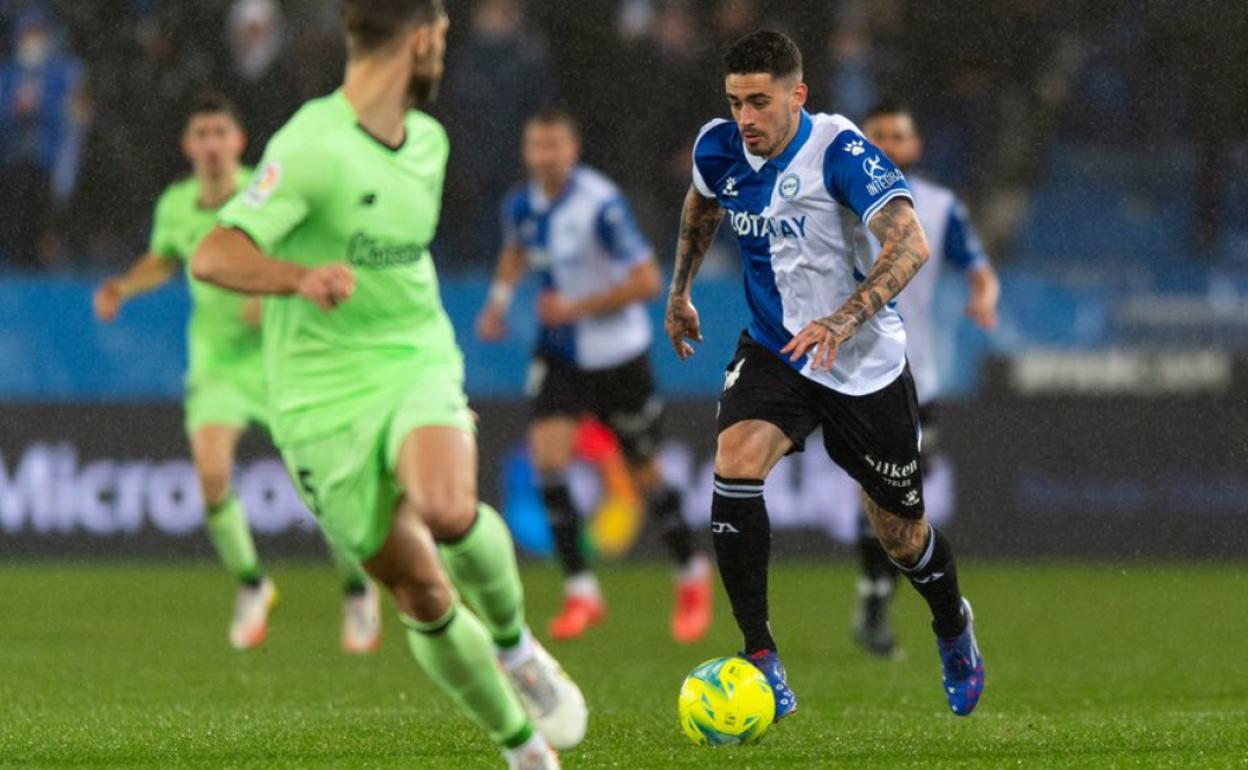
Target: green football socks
(231,536)
(455,651)
(482,565)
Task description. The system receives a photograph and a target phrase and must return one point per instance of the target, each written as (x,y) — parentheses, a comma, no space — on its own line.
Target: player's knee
(215,485)
(425,600)
(734,459)
(448,513)
(902,539)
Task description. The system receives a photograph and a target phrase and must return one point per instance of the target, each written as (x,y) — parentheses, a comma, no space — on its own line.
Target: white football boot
(250,623)
(549,696)
(361,621)
(535,754)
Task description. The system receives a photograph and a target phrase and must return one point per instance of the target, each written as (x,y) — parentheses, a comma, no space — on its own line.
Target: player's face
(897,137)
(428,46)
(551,151)
(213,143)
(765,108)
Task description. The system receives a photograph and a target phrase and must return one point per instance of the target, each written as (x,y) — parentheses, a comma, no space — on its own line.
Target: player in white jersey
(954,244)
(573,227)
(825,347)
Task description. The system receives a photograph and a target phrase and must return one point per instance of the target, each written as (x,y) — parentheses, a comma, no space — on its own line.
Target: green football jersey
(327,191)
(218,335)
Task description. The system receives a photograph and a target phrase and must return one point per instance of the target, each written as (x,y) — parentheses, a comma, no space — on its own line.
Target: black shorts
(875,437)
(622,397)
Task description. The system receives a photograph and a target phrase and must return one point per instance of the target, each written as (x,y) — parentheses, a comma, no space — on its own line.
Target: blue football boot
(963,667)
(769,663)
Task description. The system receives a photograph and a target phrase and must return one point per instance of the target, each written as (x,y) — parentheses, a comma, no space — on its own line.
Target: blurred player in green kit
(366,381)
(225,384)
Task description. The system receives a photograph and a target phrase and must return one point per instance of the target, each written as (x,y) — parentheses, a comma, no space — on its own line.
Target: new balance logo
(730,188)
(368,199)
(733,374)
(723,528)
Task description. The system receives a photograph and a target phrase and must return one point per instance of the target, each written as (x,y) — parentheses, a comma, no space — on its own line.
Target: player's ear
(800,92)
(186,145)
(420,40)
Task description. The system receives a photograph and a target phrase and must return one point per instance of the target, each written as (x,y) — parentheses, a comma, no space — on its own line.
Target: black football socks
(565,522)
(935,577)
(741,532)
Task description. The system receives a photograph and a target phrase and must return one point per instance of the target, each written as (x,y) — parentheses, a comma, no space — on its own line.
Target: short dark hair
(888,107)
(212,103)
(370,24)
(555,116)
(764,50)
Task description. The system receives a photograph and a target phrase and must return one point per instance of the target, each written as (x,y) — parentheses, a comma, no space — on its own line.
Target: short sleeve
(963,249)
(162,243)
(859,176)
(511,214)
(707,150)
(280,195)
(619,234)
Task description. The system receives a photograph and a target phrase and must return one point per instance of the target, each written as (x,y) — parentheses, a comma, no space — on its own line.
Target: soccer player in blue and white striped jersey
(824,348)
(573,227)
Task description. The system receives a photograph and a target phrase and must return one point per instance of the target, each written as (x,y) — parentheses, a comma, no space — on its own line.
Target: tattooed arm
(699,219)
(904,250)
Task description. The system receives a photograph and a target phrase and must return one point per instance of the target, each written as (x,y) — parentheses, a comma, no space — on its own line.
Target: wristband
(501,294)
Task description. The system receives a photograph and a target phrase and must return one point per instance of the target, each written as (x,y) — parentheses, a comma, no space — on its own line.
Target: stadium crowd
(92,97)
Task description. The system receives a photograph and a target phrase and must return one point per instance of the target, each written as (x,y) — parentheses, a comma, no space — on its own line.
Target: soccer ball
(726,701)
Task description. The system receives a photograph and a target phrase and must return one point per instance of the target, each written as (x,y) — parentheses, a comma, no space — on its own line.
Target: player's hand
(681,322)
(554,309)
(492,324)
(983,313)
(822,338)
(327,286)
(107,300)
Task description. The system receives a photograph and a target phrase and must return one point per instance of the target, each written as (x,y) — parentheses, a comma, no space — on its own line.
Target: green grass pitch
(1123,666)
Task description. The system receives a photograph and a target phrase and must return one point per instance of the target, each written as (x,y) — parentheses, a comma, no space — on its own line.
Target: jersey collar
(781,161)
(544,204)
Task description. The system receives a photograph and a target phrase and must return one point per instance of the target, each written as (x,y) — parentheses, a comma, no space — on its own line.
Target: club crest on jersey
(790,186)
(264,183)
(730,188)
(854,147)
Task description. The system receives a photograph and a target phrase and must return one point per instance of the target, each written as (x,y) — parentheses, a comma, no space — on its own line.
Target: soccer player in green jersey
(225,387)
(367,382)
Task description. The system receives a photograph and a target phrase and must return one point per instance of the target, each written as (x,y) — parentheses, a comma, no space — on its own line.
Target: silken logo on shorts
(893,474)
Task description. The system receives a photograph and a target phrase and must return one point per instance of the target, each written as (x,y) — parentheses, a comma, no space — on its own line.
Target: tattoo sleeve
(699,220)
(903,251)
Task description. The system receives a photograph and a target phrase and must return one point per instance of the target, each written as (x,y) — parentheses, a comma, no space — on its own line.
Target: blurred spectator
(261,78)
(734,19)
(42,115)
(497,76)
